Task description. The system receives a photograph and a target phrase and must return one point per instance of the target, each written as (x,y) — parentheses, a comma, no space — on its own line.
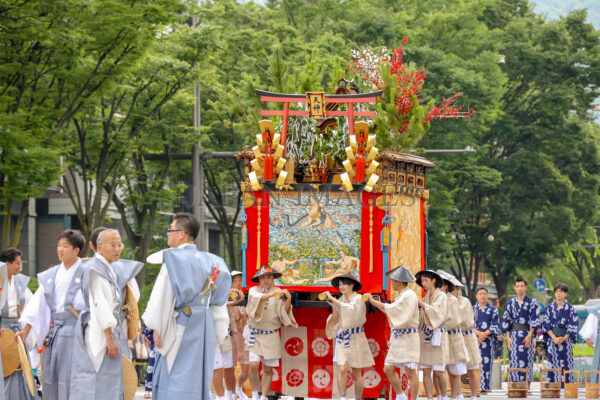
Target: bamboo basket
(518,389)
(550,389)
(592,389)
(571,389)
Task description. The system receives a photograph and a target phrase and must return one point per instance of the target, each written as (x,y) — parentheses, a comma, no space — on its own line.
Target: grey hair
(105,233)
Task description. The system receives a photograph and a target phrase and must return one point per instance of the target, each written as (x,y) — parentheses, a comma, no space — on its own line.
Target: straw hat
(264,270)
(26,367)
(401,274)
(132,313)
(10,352)
(130,378)
(431,274)
(335,282)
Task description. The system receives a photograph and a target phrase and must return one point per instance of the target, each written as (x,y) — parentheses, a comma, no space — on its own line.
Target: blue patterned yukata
(518,320)
(487,319)
(560,321)
(149,333)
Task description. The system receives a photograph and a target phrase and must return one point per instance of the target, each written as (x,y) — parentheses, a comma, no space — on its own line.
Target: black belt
(559,331)
(519,327)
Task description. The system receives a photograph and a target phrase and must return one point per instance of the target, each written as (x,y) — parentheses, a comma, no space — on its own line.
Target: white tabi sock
(460,397)
(255,396)
(228,395)
(263,397)
(401,396)
(342,397)
(220,397)
(473,397)
(240,393)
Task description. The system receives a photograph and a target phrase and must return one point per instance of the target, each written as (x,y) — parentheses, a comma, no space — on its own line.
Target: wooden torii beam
(348,99)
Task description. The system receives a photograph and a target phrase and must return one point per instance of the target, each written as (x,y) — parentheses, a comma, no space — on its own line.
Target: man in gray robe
(18,295)
(97,371)
(187,311)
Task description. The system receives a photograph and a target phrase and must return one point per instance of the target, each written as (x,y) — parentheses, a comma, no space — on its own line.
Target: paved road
(496,394)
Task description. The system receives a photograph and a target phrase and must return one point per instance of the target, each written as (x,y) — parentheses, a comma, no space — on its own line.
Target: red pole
(350,119)
(284,125)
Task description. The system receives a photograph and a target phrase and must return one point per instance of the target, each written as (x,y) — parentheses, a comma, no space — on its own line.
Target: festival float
(321,200)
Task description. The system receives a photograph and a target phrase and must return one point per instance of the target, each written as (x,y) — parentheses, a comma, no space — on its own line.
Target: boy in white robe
(432,333)
(268,308)
(346,325)
(52,313)
(403,317)
(457,352)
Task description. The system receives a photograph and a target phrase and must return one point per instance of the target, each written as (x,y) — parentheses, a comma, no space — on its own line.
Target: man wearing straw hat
(18,295)
(457,352)
(188,313)
(268,308)
(403,316)
(432,333)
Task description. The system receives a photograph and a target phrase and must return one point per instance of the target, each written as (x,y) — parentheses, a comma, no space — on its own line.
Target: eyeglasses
(173,230)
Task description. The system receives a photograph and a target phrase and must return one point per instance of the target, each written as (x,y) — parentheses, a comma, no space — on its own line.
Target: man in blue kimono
(487,329)
(520,321)
(560,325)
(188,312)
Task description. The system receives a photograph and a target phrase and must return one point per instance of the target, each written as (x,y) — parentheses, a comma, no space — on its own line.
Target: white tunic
(103,299)
(160,315)
(12,301)
(37,312)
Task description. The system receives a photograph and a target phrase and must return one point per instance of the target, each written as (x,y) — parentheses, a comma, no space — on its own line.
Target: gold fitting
(278,152)
(322,296)
(281,179)
(346,184)
(371,183)
(280,165)
(348,167)
(350,154)
(257,153)
(372,154)
(256,166)
(372,167)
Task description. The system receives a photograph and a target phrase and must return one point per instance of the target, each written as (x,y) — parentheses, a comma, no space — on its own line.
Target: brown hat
(335,282)
(264,270)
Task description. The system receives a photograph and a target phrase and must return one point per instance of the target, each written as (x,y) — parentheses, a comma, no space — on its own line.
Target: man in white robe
(96,376)
(18,295)
(125,271)
(52,313)
(187,312)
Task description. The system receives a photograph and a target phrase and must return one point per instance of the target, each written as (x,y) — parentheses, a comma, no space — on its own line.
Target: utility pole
(198,166)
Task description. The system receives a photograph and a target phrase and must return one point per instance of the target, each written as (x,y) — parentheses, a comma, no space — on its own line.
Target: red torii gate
(348,99)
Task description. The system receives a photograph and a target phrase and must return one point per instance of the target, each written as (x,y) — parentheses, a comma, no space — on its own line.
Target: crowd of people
(199,325)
